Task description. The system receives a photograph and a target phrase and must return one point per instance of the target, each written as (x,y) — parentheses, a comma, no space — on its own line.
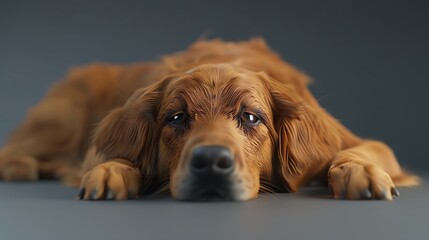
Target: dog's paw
(18,168)
(358,180)
(110,181)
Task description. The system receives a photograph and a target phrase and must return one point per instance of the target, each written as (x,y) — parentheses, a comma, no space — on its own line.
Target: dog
(218,121)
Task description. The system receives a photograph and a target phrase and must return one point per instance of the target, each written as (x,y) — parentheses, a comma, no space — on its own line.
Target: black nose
(212,160)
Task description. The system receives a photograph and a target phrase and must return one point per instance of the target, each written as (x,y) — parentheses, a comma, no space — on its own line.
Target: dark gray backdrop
(368,58)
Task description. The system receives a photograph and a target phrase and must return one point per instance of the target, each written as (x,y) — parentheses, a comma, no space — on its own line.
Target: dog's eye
(177,120)
(250,119)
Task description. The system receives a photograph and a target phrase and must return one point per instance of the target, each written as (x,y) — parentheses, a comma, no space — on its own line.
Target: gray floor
(47,210)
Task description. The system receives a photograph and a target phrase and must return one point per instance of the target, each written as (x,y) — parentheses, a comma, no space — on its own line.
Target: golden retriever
(219,121)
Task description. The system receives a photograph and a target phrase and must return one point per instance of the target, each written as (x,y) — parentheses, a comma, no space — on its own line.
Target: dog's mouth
(206,192)
(212,195)
(212,188)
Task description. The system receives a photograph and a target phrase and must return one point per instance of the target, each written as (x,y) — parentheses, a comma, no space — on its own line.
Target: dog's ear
(304,138)
(130,132)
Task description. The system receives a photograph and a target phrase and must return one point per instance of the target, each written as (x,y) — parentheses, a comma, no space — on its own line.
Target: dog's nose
(212,160)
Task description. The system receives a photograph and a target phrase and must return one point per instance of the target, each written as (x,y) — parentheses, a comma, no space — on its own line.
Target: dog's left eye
(250,119)
(177,120)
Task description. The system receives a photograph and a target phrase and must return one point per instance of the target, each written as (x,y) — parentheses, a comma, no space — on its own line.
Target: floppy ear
(305,138)
(129,132)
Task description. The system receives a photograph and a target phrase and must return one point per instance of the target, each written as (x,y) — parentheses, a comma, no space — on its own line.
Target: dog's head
(214,132)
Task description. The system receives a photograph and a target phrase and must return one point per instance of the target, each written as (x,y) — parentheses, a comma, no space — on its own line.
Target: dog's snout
(212,160)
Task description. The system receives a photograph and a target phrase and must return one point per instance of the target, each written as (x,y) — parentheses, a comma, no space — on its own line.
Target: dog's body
(217,120)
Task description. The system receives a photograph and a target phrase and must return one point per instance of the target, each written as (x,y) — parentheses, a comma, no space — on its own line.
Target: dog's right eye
(178,120)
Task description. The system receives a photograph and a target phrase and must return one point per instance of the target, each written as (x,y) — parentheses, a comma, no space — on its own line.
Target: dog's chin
(210,195)
(212,192)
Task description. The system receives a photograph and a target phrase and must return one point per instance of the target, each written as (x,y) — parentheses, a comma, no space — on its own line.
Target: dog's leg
(115,179)
(367,171)
(56,131)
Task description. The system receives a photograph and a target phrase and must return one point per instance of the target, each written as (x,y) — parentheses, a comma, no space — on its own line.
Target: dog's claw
(366,194)
(94,194)
(80,193)
(110,195)
(395,192)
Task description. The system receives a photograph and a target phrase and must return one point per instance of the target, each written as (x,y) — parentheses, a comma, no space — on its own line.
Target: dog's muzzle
(211,170)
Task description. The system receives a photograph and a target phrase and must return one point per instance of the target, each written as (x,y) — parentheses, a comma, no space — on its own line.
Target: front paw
(360,180)
(110,181)
(18,168)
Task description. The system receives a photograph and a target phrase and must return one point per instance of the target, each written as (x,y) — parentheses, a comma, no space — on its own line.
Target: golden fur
(133,150)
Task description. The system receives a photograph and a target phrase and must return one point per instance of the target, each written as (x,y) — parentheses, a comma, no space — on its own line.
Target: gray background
(368,60)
